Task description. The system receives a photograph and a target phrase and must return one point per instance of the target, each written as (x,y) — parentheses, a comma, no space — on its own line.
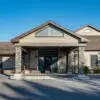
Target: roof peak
(49,22)
(88,25)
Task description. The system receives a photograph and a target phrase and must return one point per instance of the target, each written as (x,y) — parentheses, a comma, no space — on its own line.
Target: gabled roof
(88,26)
(16,39)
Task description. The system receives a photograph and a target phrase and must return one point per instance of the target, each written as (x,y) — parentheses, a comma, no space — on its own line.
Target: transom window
(50,31)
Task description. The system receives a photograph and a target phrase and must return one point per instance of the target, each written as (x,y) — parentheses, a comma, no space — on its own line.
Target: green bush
(86,70)
(96,70)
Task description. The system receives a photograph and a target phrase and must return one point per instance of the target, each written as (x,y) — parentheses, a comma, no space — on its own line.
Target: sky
(18,16)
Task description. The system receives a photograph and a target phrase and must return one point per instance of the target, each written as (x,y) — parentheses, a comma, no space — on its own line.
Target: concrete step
(37,77)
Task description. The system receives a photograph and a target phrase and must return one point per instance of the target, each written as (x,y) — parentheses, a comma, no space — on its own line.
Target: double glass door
(48,63)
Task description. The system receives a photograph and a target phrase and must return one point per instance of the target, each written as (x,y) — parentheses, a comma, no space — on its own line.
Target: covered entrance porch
(43,59)
(47,60)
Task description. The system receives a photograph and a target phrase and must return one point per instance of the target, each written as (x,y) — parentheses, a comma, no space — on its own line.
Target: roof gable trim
(90,26)
(16,39)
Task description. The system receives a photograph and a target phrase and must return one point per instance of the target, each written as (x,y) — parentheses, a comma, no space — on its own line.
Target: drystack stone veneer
(81,59)
(18,59)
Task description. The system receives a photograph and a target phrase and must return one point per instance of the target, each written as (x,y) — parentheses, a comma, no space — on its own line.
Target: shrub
(86,70)
(96,70)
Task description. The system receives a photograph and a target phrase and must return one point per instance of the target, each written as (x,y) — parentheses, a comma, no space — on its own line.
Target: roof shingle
(7,48)
(94,42)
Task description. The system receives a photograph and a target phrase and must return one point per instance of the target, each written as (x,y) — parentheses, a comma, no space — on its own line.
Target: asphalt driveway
(50,90)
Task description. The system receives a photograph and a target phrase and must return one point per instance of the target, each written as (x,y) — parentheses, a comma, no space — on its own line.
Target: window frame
(48,36)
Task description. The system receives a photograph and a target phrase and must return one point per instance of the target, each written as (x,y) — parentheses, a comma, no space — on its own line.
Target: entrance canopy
(50,44)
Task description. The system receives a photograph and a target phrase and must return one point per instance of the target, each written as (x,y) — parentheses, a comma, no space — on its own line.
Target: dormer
(88,30)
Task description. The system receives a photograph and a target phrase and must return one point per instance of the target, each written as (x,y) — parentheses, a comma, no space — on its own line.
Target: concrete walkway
(49,90)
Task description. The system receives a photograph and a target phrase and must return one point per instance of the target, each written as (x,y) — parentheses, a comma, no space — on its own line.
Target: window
(94,61)
(87,30)
(50,31)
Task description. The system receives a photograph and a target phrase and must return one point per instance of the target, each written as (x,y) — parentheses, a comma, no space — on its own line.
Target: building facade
(50,48)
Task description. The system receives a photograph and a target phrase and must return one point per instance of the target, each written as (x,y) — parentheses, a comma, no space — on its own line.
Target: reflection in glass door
(48,59)
(54,67)
(41,64)
(48,63)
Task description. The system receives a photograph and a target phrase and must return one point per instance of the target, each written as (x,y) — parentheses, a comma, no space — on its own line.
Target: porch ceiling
(50,44)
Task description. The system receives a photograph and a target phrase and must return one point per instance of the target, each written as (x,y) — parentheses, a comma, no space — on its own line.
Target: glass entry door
(48,64)
(54,67)
(41,64)
(47,59)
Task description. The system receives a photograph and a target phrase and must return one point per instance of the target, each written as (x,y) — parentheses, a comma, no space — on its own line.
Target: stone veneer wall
(18,59)
(34,59)
(76,61)
(70,61)
(26,60)
(81,59)
(62,61)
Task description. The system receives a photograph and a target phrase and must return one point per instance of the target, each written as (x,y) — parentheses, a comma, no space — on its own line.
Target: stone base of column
(16,77)
(18,71)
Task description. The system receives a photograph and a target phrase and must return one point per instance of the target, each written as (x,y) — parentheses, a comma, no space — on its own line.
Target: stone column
(34,59)
(18,59)
(81,59)
(70,61)
(76,61)
(61,61)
